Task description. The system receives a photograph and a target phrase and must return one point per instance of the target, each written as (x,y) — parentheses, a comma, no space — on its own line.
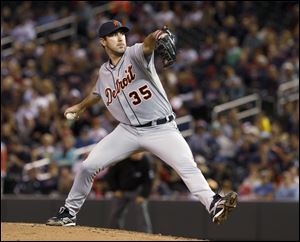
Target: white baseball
(71,116)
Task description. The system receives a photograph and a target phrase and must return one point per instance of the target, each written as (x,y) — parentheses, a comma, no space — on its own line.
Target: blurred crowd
(226,50)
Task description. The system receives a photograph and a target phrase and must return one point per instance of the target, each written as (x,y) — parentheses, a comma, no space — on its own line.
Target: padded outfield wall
(249,221)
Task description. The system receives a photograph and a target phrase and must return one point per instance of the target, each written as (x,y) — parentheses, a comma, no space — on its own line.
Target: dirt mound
(41,232)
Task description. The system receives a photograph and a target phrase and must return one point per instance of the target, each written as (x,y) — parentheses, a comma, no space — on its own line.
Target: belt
(157,122)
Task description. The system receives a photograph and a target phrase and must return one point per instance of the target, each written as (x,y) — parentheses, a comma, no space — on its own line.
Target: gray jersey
(131,90)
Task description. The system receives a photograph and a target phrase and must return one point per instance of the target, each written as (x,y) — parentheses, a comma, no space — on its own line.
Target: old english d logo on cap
(116,23)
(111,27)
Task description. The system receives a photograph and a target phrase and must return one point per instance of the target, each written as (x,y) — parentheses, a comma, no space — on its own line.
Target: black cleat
(222,206)
(63,218)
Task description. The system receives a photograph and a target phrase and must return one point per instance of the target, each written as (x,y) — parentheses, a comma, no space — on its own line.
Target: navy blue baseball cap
(111,27)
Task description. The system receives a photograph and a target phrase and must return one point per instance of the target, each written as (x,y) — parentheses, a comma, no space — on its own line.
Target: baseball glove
(166,48)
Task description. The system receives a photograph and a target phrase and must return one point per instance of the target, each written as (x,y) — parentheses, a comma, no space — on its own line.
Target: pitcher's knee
(88,168)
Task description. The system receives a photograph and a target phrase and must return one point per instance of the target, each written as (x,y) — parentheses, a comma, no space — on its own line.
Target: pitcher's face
(116,42)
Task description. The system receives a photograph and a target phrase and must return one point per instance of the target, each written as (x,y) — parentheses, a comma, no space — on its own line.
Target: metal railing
(187,120)
(46,161)
(287,92)
(61,28)
(235,104)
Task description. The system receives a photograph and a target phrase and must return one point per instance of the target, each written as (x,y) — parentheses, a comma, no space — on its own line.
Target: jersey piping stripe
(157,89)
(114,67)
(152,81)
(121,65)
(131,108)
(125,95)
(158,95)
(117,95)
(97,94)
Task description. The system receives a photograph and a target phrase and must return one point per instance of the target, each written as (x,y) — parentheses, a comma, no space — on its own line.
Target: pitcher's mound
(41,232)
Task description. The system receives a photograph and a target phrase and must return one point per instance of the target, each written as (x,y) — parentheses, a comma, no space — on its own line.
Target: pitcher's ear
(102,42)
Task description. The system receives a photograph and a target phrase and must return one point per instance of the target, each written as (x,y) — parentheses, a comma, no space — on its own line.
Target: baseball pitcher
(131,90)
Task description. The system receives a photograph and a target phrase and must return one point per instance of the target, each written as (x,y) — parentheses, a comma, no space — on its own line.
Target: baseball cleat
(63,218)
(222,206)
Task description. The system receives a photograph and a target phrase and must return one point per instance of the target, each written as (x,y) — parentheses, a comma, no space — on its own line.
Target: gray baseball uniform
(134,95)
(132,91)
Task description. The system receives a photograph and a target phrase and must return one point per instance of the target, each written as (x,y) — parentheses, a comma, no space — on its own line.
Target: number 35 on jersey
(143,92)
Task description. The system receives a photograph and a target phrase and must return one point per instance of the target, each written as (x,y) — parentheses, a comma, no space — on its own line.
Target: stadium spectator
(265,189)
(3,164)
(30,186)
(65,152)
(65,180)
(288,189)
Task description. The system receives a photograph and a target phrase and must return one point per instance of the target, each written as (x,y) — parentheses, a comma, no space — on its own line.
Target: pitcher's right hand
(76,109)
